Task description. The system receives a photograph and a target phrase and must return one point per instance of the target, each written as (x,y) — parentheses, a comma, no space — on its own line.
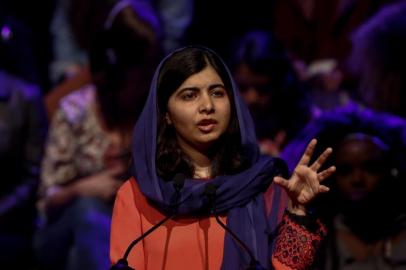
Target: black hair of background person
(29,50)
(289,105)
(378,59)
(216,24)
(113,53)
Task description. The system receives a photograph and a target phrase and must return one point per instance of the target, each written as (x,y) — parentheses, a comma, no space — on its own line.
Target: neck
(202,172)
(200,159)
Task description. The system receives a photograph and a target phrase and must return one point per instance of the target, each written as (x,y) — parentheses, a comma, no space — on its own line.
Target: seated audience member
(87,151)
(23,125)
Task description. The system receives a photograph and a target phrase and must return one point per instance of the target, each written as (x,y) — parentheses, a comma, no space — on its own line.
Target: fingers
(311,179)
(323,189)
(326,173)
(321,159)
(308,153)
(307,180)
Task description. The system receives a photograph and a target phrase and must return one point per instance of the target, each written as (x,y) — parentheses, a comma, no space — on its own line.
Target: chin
(208,140)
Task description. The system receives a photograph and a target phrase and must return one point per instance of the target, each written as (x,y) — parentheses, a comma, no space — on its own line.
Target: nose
(207,104)
(357,177)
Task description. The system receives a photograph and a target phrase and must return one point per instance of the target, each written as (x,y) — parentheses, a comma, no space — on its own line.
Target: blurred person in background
(168,18)
(23,127)
(378,60)
(365,210)
(278,101)
(316,34)
(87,151)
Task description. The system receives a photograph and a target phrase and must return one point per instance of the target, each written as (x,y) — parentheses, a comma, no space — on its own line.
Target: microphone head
(210,190)
(179,181)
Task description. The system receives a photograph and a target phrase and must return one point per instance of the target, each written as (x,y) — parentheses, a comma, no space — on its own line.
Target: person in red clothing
(195,123)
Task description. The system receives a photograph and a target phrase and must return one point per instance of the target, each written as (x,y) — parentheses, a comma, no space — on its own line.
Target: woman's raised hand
(304,184)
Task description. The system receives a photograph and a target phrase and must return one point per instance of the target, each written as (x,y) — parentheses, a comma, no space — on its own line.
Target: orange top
(186,243)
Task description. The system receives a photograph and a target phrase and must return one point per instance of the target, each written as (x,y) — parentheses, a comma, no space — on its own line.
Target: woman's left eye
(219,93)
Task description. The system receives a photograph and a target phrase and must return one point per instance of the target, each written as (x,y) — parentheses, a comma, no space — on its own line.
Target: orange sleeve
(296,245)
(125,227)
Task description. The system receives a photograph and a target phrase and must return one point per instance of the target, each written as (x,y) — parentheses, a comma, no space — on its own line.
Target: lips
(207,125)
(357,195)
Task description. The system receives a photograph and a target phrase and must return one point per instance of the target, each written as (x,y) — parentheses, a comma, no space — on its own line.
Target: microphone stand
(210,191)
(122,264)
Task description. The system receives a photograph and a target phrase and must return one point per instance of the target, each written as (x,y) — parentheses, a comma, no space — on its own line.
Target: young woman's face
(199,110)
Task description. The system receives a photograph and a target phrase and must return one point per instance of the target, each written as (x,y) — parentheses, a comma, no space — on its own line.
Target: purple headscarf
(239,195)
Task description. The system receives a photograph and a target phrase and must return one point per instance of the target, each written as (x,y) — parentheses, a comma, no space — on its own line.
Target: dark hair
(263,53)
(288,108)
(378,59)
(227,159)
(122,56)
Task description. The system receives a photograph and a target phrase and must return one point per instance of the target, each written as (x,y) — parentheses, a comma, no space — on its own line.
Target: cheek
(226,112)
(343,183)
(181,118)
(372,182)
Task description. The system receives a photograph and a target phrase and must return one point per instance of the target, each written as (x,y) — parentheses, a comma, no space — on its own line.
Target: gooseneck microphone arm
(210,191)
(122,264)
(153,228)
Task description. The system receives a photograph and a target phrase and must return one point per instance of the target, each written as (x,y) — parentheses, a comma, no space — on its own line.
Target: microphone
(122,264)
(210,192)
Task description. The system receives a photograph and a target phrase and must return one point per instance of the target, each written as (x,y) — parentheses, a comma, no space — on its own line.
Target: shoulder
(13,86)
(75,105)
(130,197)
(273,165)
(130,191)
(129,186)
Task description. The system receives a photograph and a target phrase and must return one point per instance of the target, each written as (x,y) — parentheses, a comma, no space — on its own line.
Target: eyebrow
(197,88)
(216,85)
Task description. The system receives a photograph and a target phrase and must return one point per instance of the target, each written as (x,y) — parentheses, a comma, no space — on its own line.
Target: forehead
(359,149)
(206,77)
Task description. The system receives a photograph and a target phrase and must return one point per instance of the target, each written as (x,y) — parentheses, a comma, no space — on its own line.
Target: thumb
(281,181)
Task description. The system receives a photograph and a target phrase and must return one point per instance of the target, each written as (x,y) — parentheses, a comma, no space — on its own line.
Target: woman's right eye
(188,95)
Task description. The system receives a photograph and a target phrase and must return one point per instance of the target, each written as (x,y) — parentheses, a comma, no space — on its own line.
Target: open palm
(304,184)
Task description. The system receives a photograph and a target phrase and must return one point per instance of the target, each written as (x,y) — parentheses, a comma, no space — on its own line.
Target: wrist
(297,209)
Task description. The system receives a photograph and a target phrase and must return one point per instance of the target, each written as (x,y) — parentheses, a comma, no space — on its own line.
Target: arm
(58,166)
(61,181)
(126,226)
(297,242)
(299,236)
